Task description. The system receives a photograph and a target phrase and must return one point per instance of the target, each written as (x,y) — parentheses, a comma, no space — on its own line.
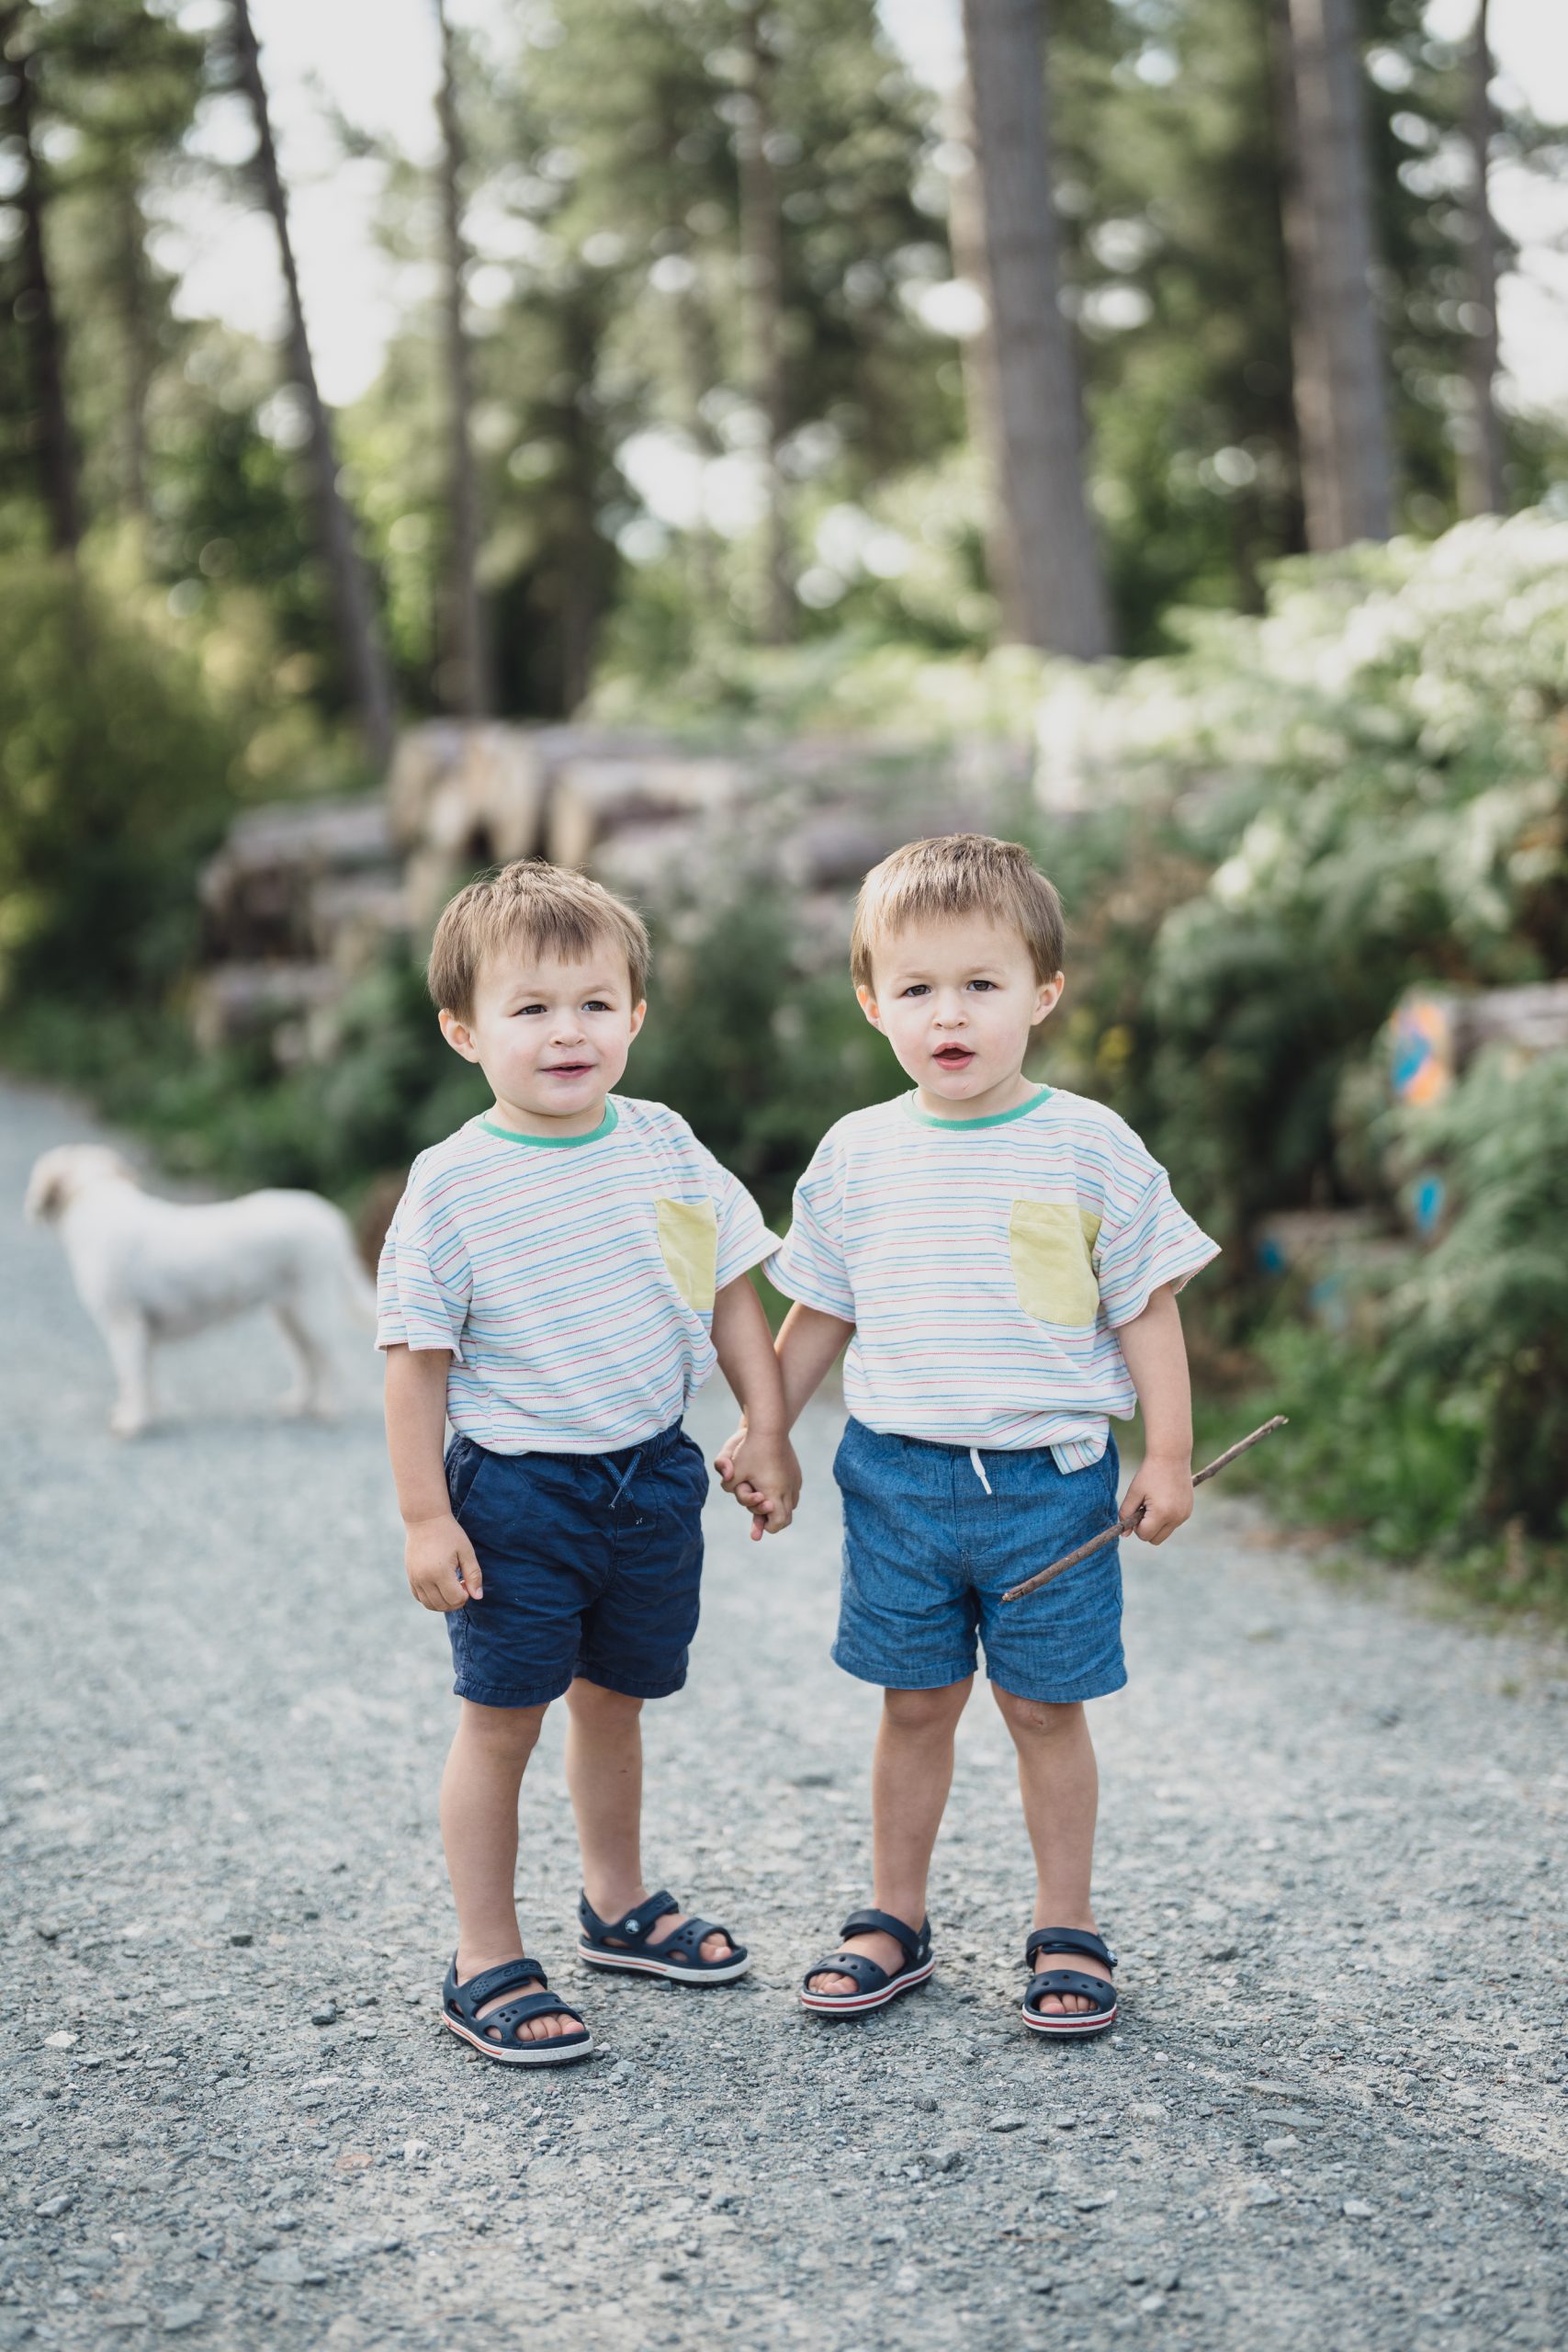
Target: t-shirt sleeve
(1146,1238)
(743,1240)
(811,1266)
(423,1282)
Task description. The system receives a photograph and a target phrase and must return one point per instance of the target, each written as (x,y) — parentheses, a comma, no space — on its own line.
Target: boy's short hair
(530,903)
(958,874)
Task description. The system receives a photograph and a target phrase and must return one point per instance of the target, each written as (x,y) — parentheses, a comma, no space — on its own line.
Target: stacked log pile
(305,897)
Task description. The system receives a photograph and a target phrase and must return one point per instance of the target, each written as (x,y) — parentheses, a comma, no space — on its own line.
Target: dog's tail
(359,1287)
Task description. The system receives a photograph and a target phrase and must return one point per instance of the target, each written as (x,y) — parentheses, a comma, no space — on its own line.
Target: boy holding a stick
(1002,1259)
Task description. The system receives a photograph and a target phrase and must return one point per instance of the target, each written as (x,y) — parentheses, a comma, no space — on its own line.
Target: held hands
(764,1475)
(1162,1494)
(443,1569)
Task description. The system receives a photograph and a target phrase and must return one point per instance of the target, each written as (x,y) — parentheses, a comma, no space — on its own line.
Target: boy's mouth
(954,1057)
(566,1069)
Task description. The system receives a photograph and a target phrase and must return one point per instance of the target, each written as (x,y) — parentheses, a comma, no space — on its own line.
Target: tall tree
(1053,590)
(358,635)
(1336,341)
(35,306)
(761,271)
(1481,485)
(466,662)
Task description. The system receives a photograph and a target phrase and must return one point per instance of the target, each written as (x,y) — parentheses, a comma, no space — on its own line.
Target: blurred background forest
(768,447)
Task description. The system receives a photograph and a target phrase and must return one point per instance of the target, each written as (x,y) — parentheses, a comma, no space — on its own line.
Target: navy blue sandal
(624,1944)
(497,2035)
(877,1987)
(1077,2023)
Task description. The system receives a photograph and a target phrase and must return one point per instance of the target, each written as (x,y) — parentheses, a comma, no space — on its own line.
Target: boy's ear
(459,1035)
(1048,997)
(639,1014)
(868,1006)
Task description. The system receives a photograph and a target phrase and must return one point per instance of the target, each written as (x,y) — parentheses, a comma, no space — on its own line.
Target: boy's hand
(1162,1492)
(764,1475)
(443,1567)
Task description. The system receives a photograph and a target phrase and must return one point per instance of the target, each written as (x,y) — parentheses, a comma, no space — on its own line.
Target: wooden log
(591,797)
(237,1000)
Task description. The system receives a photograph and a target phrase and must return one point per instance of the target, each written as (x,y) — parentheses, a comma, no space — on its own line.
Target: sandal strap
(532,2005)
(913,1943)
(1072,1940)
(476,1990)
(1067,1980)
(869,1974)
(688,1939)
(631,1930)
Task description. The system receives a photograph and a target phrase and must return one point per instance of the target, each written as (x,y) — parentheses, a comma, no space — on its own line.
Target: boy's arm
(809,1344)
(744,1346)
(443,1569)
(1156,1357)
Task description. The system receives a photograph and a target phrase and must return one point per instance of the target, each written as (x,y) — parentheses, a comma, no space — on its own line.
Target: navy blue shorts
(931,1545)
(591,1563)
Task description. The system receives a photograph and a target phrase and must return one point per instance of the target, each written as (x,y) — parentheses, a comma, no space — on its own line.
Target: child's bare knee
(512,1732)
(926,1710)
(1037,1718)
(591,1701)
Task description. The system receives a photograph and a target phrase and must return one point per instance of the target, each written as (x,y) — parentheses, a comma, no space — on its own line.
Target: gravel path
(1332,1847)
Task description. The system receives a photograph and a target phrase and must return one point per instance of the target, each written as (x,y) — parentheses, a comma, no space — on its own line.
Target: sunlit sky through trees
(374,62)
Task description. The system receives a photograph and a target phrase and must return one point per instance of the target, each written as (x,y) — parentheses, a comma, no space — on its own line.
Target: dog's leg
(130,1347)
(312,1365)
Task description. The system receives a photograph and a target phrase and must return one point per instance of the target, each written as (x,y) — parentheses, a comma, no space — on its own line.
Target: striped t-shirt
(985,1264)
(571,1277)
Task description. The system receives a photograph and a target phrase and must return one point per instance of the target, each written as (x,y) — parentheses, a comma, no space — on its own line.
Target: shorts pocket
(465,1464)
(1051,1244)
(688,1242)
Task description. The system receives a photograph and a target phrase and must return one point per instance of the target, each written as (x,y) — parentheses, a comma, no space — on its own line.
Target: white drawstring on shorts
(979,1467)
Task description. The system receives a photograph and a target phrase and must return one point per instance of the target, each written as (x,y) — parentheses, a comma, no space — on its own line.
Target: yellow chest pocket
(688,1240)
(1052,1248)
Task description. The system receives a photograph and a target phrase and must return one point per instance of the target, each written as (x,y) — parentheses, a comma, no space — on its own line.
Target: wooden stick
(1125,1527)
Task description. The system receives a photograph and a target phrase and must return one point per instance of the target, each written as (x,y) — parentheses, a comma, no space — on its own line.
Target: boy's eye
(526,1007)
(982,984)
(597,1004)
(916,987)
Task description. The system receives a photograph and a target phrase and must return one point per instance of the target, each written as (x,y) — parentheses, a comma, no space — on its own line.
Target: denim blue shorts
(591,1563)
(929,1553)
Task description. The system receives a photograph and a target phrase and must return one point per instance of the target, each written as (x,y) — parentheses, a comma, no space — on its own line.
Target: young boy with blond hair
(1002,1259)
(561,1275)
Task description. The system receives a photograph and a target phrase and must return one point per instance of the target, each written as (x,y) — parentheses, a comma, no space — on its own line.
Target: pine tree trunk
(761,264)
(139,353)
(1482,490)
(464,664)
(1335,343)
(363,655)
(1053,585)
(34,304)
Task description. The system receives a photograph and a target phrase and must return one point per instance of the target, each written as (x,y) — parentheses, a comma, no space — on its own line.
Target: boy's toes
(833,1984)
(716,1947)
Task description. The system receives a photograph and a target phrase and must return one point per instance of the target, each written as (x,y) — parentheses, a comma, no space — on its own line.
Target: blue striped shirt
(572,1279)
(985,1264)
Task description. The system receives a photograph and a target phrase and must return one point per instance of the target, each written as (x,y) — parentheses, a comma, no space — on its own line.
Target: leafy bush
(115,782)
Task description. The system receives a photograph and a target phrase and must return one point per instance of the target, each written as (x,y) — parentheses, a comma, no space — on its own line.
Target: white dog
(148,1270)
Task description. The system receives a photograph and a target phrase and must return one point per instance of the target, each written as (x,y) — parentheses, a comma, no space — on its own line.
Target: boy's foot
(884,1951)
(716,1947)
(1069,2005)
(533,2028)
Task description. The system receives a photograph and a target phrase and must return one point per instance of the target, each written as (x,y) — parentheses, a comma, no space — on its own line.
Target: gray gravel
(1331,1847)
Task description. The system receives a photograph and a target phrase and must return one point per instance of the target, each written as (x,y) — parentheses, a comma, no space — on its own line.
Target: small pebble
(242,1935)
(181,2316)
(52,2206)
(324,2013)
(1005,2123)
(61,2038)
(1261,2194)
(1280,2147)
(1356,2208)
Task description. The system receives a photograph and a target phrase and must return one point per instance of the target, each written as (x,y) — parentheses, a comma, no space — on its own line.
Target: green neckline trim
(994,1119)
(557,1143)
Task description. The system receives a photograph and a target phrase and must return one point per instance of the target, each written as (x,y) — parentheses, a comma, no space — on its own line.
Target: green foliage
(115,781)
(1485,1311)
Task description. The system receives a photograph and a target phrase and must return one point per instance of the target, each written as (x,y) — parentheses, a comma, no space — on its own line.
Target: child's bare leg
(603,1772)
(1060,1786)
(910,1775)
(479,1829)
